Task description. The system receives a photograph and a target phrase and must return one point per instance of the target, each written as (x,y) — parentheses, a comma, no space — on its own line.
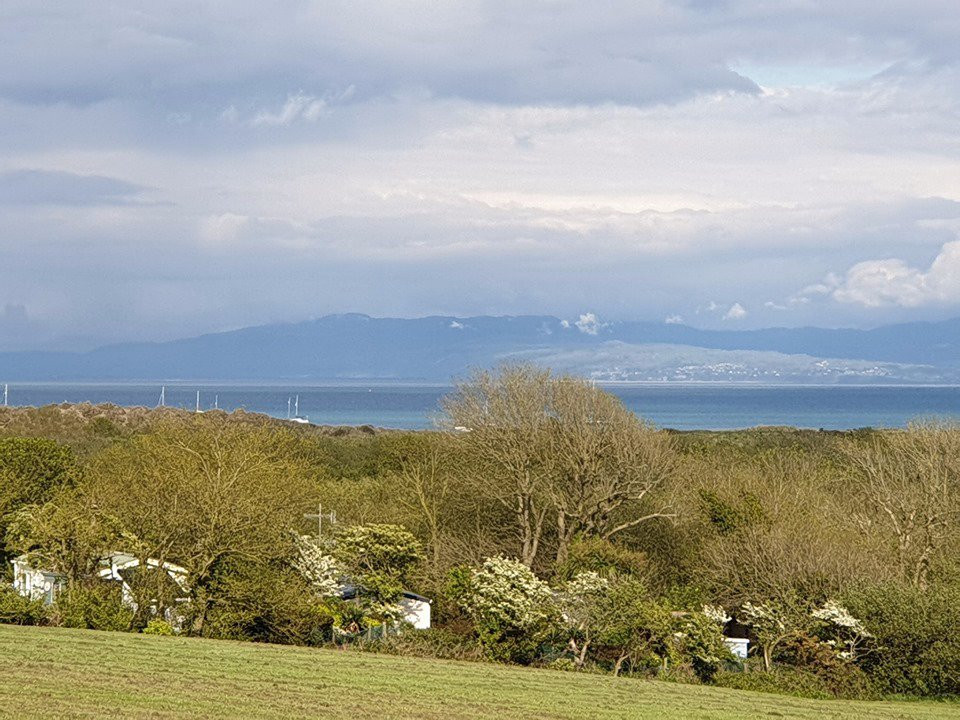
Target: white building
(416,608)
(118,567)
(35,583)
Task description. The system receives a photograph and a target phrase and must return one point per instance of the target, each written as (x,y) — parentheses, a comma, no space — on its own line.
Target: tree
(377,559)
(32,470)
(602,460)
(560,446)
(199,495)
(909,491)
(511,608)
(503,418)
(580,603)
(772,623)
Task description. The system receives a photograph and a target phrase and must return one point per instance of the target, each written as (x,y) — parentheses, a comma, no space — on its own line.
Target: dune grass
(53,672)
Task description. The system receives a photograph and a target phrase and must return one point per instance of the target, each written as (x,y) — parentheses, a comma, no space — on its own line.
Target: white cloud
(589,324)
(771,305)
(879,283)
(456,325)
(297,107)
(735,312)
(673,319)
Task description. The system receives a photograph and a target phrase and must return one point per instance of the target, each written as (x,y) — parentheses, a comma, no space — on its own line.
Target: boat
(296,417)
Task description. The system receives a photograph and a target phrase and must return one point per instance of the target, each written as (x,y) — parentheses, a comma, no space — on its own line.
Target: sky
(174,168)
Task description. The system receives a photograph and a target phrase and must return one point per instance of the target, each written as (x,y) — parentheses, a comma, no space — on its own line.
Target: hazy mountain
(436,348)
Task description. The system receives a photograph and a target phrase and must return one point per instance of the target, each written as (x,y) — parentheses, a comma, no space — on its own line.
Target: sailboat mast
(198,401)
(296,411)
(163,396)
(6,392)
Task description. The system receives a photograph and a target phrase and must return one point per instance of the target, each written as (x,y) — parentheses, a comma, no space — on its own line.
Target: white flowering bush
(772,624)
(510,606)
(844,633)
(579,603)
(717,614)
(317,567)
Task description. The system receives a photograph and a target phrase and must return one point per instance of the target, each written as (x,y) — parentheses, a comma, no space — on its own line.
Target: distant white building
(35,583)
(738,646)
(416,608)
(117,567)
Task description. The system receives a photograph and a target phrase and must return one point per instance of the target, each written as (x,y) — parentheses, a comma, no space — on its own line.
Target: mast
(6,394)
(216,401)
(163,396)
(288,408)
(198,401)
(296,411)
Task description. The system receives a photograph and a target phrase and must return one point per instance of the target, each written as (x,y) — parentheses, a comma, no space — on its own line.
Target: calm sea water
(683,407)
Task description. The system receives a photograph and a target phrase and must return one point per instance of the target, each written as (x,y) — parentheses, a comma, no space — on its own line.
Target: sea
(707,406)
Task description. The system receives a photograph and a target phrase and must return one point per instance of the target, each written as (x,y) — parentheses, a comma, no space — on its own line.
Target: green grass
(52,672)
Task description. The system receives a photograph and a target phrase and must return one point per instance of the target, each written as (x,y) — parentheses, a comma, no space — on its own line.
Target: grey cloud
(45,187)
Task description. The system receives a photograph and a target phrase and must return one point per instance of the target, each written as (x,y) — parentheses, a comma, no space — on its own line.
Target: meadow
(65,673)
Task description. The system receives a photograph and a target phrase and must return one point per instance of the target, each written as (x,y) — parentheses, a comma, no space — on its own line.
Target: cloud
(298,107)
(588,324)
(50,187)
(673,319)
(735,312)
(457,325)
(879,283)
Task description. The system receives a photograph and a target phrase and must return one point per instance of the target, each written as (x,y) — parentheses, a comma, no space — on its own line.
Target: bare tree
(910,492)
(560,447)
(504,420)
(603,463)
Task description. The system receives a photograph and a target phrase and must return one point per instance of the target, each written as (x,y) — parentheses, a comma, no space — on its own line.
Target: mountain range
(437,348)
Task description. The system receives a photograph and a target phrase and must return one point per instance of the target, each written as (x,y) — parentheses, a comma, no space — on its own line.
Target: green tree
(32,471)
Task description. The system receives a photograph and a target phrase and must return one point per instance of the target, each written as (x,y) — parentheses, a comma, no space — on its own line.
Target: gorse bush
(97,607)
(16,609)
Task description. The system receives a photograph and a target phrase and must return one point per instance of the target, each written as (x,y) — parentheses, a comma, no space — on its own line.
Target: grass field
(52,672)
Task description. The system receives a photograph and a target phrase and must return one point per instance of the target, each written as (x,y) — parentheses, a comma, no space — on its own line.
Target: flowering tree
(772,623)
(510,606)
(318,567)
(580,611)
(846,634)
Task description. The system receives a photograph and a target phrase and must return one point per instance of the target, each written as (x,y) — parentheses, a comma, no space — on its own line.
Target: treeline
(549,525)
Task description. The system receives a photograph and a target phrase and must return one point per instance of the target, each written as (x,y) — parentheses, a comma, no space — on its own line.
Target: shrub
(432,643)
(782,681)
(510,606)
(158,627)
(15,609)
(916,637)
(98,607)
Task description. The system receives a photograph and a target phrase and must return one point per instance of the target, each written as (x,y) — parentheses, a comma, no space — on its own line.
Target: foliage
(377,559)
(602,557)
(265,602)
(510,606)
(32,470)
(16,609)
(97,607)
(158,627)
(916,634)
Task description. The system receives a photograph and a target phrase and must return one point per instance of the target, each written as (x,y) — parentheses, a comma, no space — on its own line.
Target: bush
(99,607)
(511,608)
(158,627)
(782,681)
(264,602)
(916,637)
(15,609)
(432,643)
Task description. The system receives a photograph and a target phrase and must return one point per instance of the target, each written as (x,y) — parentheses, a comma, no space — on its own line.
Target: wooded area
(548,524)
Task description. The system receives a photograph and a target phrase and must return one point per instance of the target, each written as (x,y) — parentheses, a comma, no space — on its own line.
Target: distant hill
(352,346)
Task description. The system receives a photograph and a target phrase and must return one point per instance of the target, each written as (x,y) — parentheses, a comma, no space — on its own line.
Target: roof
(349,592)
